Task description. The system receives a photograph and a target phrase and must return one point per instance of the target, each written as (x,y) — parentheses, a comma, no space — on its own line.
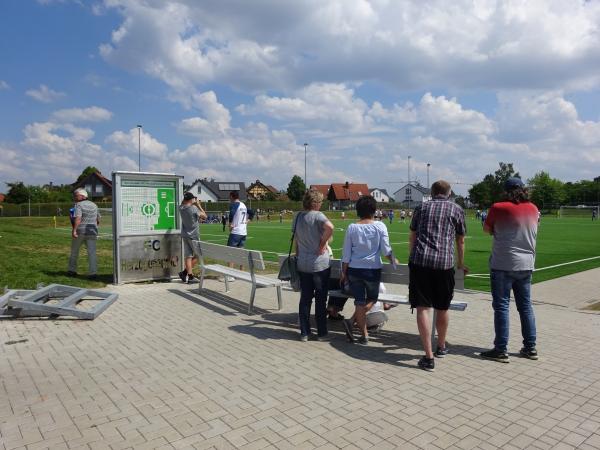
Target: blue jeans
(315,285)
(502,282)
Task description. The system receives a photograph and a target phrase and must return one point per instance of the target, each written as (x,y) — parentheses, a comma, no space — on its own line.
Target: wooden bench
(252,259)
(400,276)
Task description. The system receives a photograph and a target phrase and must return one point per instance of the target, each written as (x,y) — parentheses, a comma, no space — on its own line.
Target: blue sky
(231,90)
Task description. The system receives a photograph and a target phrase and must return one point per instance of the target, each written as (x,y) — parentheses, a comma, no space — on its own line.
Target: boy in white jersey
(238,218)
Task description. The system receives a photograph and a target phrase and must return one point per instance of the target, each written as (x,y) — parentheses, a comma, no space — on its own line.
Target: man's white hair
(81,192)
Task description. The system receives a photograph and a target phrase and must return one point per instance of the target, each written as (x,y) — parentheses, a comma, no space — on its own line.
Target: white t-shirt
(238,217)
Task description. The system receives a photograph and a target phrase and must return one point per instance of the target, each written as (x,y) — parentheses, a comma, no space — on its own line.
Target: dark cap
(513,183)
(189,196)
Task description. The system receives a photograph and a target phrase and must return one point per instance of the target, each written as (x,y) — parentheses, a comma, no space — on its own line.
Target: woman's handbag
(289,267)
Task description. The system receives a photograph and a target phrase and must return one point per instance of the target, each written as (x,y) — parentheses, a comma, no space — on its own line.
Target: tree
(491,188)
(17,193)
(546,191)
(296,188)
(86,172)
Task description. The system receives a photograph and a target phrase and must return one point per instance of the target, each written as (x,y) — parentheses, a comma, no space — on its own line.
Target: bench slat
(400,299)
(238,256)
(244,276)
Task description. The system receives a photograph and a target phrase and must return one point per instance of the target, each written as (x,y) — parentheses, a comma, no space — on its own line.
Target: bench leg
(201,280)
(226,283)
(279,302)
(251,305)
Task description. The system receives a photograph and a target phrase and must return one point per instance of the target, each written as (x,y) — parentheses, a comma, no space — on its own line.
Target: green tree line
(544,191)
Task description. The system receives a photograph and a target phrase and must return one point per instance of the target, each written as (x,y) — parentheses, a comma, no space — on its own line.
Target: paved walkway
(167,368)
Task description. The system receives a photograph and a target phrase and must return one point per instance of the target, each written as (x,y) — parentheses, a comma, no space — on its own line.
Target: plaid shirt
(437,223)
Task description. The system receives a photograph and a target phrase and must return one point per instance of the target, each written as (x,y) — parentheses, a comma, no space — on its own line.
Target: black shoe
(529,353)
(70,273)
(496,355)
(427,364)
(363,340)
(191,278)
(323,338)
(184,276)
(93,277)
(348,324)
(441,352)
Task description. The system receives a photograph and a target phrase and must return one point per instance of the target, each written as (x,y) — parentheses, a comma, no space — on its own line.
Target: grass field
(32,251)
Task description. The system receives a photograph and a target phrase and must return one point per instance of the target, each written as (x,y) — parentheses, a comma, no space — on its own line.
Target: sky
(232,90)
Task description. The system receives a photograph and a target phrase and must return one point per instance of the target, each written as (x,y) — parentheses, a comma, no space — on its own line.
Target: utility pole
(139,127)
(410,197)
(305,181)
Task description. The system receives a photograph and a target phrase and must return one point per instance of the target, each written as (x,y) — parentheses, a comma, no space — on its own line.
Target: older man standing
(434,228)
(513,223)
(86,219)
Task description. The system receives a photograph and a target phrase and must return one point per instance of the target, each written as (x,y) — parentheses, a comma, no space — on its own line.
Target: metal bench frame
(253,259)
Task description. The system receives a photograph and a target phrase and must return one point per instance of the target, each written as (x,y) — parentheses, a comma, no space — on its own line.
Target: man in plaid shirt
(434,228)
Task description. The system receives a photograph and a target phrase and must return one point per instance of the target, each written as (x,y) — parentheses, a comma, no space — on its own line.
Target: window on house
(88,188)
(99,189)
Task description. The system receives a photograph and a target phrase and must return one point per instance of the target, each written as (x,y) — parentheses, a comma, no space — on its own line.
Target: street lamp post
(409,184)
(305,185)
(428,165)
(139,127)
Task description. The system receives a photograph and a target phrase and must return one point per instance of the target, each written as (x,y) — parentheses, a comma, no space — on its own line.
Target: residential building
(380,195)
(97,186)
(412,194)
(258,190)
(217,191)
(344,195)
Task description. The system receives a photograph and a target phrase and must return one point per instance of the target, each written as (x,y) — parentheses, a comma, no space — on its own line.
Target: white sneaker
(230,279)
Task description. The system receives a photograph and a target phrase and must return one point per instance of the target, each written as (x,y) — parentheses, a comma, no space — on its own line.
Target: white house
(380,195)
(413,194)
(217,191)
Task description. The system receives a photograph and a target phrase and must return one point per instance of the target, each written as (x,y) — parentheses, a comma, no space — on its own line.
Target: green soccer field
(33,251)
(561,242)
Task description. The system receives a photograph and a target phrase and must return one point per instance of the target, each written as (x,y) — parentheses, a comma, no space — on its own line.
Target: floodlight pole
(139,127)
(409,183)
(305,185)
(428,165)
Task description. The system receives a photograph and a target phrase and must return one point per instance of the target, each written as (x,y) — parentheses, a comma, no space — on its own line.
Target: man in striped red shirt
(435,227)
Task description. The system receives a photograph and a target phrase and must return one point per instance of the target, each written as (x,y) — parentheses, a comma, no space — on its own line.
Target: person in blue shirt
(364,242)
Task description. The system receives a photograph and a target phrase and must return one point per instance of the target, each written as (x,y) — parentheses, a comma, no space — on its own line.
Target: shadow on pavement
(283,326)
(218,299)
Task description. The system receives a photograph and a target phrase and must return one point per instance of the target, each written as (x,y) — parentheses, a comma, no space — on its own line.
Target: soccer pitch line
(485,275)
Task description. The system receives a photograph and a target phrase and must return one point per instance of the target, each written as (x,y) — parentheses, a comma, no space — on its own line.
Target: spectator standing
(312,230)
(364,242)
(191,213)
(238,220)
(436,225)
(513,224)
(224,221)
(85,221)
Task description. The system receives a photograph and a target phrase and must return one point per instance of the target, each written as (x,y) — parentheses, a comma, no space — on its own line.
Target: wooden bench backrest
(237,256)
(389,275)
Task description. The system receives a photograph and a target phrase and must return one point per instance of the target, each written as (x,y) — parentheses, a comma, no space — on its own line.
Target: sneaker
(529,353)
(496,355)
(427,364)
(93,277)
(183,275)
(191,278)
(324,338)
(441,352)
(303,338)
(363,340)
(70,273)
(348,324)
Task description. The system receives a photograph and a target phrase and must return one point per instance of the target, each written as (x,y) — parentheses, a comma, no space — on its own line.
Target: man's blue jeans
(315,285)
(502,282)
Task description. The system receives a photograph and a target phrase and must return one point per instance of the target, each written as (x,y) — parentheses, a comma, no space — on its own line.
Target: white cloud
(91,114)
(282,45)
(44,94)
(127,142)
(4,85)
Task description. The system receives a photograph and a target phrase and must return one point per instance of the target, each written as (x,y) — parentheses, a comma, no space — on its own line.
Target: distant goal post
(578,211)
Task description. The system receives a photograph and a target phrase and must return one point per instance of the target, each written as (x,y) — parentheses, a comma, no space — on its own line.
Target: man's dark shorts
(430,287)
(364,284)
(236,240)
